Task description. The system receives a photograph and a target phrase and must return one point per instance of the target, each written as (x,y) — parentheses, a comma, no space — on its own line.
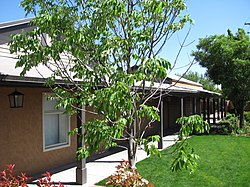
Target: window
(55,125)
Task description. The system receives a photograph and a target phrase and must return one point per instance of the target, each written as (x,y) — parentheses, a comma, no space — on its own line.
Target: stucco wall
(21,135)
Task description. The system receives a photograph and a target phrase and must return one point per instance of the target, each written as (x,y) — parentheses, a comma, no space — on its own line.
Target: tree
(206,82)
(227,59)
(106,52)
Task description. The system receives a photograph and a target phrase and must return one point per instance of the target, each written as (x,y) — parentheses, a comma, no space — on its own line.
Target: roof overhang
(173,90)
(15,25)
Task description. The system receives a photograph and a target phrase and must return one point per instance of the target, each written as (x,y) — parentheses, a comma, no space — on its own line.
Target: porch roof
(174,90)
(10,74)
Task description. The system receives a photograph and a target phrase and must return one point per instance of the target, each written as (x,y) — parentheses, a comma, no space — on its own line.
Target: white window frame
(58,145)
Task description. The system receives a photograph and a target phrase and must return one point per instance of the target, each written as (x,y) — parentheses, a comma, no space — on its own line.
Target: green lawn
(224,161)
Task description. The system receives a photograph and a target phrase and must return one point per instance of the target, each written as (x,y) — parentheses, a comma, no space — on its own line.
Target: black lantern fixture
(16,99)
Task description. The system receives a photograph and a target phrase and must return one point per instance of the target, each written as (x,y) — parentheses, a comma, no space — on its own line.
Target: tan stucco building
(35,136)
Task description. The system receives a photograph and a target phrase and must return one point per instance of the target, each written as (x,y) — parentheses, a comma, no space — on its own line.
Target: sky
(210,17)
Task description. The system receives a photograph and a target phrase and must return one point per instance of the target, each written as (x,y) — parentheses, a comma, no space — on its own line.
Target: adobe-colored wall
(21,135)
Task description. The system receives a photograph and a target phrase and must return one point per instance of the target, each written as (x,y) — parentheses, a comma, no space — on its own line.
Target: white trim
(56,146)
(59,145)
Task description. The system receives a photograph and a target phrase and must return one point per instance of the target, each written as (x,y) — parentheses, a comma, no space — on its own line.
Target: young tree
(227,59)
(108,53)
(206,82)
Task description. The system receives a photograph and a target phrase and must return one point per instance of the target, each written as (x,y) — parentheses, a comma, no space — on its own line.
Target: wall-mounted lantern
(16,99)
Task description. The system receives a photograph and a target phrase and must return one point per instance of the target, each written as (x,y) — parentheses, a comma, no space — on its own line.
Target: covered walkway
(102,168)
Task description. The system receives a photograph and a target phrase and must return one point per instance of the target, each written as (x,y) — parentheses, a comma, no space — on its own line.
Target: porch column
(199,106)
(160,143)
(214,112)
(81,170)
(204,109)
(218,109)
(224,103)
(208,110)
(182,105)
(221,108)
(194,105)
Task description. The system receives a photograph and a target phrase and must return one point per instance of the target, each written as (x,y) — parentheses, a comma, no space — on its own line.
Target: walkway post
(81,170)
(199,106)
(160,143)
(218,109)
(221,107)
(204,109)
(194,106)
(208,110)
(224,103)
(214,117)
(182,105)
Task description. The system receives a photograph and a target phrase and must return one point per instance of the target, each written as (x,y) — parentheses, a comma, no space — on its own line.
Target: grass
(224,161)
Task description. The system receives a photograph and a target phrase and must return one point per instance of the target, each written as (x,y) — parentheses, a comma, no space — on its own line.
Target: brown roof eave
(9,80)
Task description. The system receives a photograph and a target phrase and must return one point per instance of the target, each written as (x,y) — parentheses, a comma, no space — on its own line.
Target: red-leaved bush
(46,181)
(126,176)
(8,178)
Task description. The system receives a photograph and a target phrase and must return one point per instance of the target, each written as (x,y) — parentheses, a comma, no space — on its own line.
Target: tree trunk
(132,147)
(240,111)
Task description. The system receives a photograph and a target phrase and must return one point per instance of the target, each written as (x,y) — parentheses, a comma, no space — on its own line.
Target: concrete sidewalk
(102,168)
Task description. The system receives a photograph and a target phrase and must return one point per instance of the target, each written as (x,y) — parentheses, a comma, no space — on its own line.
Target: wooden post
(221,108)
(81,170)
(218,109)
(208,110)
(182,105)
(160,143)
(199,106)
(224,103)
(204,109)
(214,117)
(194,105)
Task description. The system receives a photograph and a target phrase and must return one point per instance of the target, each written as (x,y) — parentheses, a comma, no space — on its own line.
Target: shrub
(46,181)
(227,126)
(247,117)
(230,125)
(126,176)
(8,178)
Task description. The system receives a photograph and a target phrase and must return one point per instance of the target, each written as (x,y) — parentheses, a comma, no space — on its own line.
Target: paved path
(104,167)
